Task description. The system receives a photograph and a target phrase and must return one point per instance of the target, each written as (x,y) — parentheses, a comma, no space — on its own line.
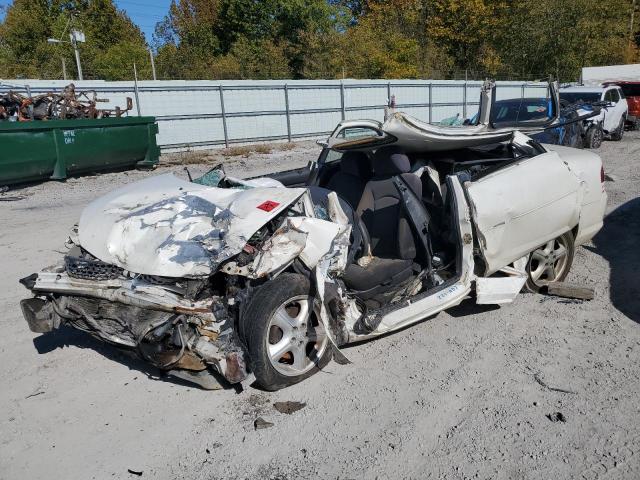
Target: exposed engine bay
(190,320)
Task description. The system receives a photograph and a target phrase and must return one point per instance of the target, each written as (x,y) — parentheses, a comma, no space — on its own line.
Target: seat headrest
(356,164)
(390,160)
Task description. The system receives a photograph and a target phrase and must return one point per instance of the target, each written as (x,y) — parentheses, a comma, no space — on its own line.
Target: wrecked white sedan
(224,278)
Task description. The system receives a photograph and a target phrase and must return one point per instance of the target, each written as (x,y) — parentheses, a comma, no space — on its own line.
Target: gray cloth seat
(381,206)
(350,180)
(391,237)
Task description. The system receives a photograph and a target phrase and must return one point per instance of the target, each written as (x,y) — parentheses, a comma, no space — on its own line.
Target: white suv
(613,102)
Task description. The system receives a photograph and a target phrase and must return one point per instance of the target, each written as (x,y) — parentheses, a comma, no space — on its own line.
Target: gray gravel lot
(456,396)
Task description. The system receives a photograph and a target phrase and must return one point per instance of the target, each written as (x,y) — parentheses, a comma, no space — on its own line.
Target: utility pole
(135,88)
(153,63)
(76,37)
(74,42)
(64,69)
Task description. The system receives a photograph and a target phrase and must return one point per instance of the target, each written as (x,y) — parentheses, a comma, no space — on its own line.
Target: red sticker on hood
(268,205)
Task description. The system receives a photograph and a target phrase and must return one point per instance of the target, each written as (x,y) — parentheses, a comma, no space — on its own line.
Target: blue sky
(144,13)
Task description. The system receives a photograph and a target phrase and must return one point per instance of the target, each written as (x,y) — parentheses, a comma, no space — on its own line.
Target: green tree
(539,38)
(113,41)
(208,38)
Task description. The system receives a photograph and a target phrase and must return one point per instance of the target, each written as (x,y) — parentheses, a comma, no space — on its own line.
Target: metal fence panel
(201,114)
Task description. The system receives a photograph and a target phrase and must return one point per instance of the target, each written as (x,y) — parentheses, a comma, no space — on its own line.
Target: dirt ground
(542,388)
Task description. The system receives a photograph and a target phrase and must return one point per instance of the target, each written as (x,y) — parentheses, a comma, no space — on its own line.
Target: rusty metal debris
(57,106)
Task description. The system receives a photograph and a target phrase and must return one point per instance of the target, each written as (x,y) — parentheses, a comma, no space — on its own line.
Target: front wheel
(550,263)
(283,332)
(619,132)
(594,136)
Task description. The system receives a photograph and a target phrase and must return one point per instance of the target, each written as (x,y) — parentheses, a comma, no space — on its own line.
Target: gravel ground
(542,388)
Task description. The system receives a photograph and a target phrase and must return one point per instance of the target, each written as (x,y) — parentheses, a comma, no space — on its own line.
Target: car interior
(396,258)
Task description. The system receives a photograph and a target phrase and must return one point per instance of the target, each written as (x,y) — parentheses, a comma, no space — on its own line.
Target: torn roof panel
(169,227)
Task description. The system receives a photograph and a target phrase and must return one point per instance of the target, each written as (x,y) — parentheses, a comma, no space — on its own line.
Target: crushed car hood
(169,227)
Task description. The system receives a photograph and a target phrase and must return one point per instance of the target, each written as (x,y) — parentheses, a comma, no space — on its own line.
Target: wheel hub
(296,339)
(548,263)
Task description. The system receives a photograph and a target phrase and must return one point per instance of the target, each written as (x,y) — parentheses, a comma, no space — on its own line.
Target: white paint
(498,290)
(170,227)
(524,205)
(320,237)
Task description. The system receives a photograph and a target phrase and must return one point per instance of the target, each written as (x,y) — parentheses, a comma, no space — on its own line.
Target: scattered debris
(570,290)
(13,198)
(261,423)
(58,106)
(204,379)
(215,445)
(135,472)
(556,417)
(289,407)
(553,389)
(34,394)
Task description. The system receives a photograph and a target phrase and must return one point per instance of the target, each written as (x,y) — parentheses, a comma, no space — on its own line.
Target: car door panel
(522,206)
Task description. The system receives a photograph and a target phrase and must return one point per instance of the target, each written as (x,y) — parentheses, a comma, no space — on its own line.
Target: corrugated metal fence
(203,114)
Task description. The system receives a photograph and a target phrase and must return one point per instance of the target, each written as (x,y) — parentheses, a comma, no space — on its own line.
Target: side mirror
(322,143)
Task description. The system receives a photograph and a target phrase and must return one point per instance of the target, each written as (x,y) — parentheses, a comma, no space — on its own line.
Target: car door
(611,116)
(620,105)
(524,205)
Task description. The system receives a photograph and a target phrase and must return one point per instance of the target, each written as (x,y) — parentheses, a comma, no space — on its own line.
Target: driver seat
(350,180)
(391,236)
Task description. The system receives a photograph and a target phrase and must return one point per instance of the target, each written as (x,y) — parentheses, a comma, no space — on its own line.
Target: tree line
(312,39)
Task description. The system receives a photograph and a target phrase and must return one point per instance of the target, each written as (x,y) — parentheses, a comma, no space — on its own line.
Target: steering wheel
(360,242)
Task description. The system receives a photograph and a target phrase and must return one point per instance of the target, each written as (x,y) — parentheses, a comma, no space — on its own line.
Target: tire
(282,312)
(619,132)
(593,137)
(550,263)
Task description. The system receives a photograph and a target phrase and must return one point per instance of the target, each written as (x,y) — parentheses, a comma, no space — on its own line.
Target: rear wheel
(550,263)
(594,136)
(283,332)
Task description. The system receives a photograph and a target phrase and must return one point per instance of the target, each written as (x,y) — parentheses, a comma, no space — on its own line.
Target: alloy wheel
(296,338)
(549,262)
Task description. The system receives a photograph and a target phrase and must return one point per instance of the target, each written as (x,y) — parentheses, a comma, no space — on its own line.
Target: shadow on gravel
(619,243)
(66,336)
(470,307)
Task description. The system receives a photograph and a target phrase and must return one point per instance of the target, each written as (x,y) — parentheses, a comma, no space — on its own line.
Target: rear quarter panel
(524,205)
(587,166)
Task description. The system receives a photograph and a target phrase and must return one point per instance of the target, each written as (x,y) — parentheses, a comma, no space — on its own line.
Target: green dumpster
(55,149)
